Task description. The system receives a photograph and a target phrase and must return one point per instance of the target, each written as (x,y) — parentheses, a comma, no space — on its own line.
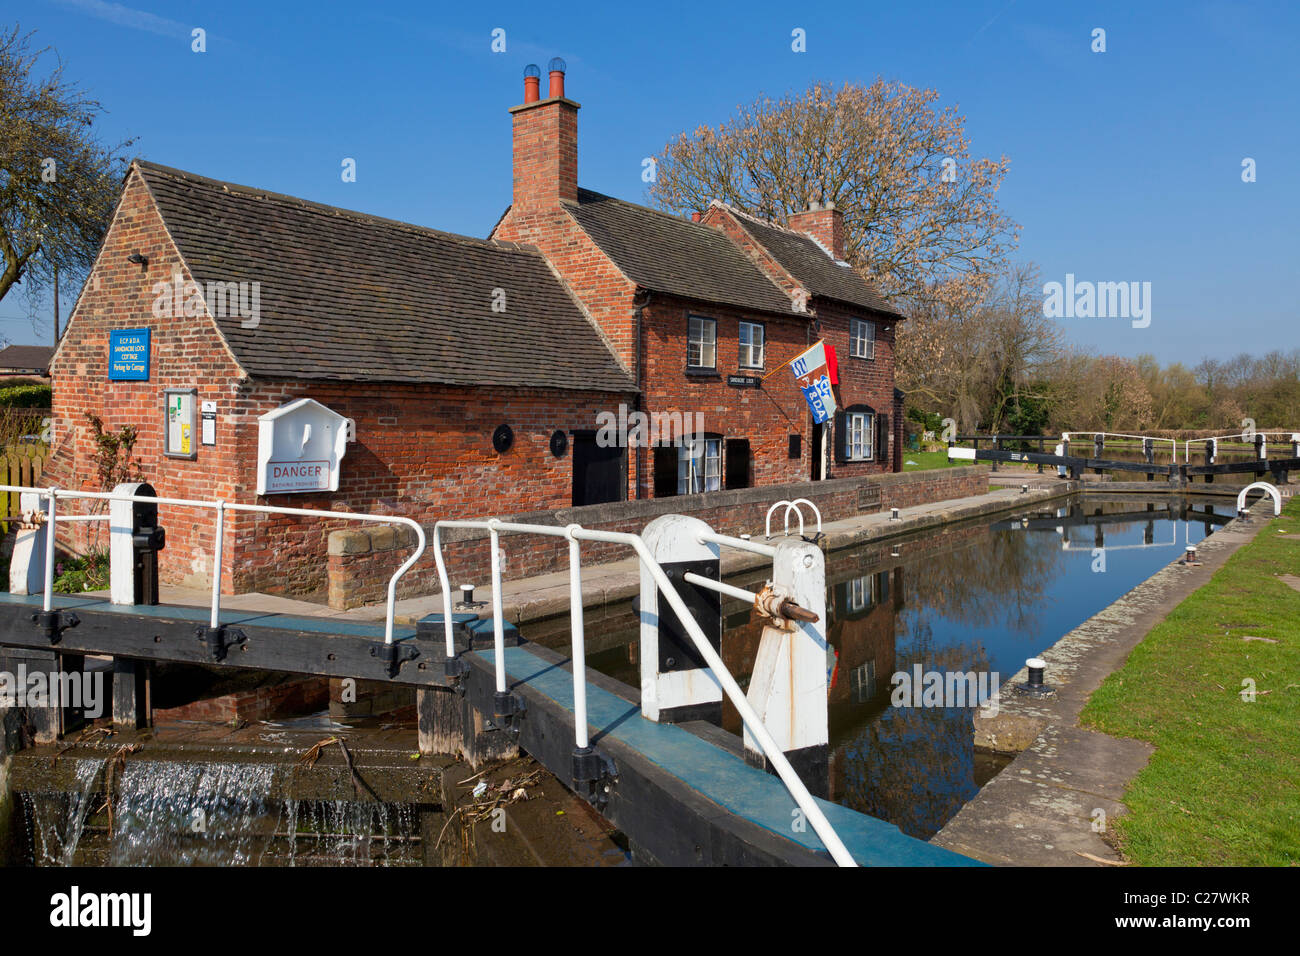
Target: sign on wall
(128,355)
(180,439)
(208,426)
(300,448)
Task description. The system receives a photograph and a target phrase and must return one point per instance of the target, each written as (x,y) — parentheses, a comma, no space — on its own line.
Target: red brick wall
(824,225)
(545,153)
(185,353)
(604,292)
(422,451)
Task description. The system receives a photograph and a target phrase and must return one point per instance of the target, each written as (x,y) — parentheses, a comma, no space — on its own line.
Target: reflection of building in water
(862,614)
(876,767)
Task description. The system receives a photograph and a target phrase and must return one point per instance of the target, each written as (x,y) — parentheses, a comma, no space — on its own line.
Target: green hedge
(25,396)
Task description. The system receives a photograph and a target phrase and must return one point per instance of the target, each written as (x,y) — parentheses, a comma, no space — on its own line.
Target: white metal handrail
(52,494)
(1173,442)
(793,506)
(1242,438)
(576,533)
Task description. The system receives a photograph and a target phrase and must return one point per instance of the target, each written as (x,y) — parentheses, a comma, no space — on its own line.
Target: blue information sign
(128,355)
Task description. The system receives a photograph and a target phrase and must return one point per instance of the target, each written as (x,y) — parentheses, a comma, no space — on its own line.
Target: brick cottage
(479,376)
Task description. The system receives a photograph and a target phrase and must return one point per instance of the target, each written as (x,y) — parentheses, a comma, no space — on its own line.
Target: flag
(813,376)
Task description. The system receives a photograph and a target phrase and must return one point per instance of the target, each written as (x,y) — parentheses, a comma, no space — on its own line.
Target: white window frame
(862,338)
(862,681)
(860,441)
(699,466)
(752,353)
(705,343)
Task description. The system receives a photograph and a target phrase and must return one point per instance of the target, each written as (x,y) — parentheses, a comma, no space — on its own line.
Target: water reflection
(976,598)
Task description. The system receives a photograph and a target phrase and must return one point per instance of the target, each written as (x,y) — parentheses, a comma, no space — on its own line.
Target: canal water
(980,598)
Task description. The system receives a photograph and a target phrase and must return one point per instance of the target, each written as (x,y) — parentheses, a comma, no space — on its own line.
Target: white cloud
(127,17)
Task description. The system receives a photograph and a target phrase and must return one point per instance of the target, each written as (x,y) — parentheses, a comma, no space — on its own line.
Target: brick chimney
(824,223)
(545,143)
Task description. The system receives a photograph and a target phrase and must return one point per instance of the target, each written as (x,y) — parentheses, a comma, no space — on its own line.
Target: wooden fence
(21,464)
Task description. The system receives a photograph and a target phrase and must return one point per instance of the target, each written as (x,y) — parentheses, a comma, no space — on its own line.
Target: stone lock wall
(359,573)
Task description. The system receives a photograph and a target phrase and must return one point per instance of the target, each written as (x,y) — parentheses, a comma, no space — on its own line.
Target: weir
(683,792)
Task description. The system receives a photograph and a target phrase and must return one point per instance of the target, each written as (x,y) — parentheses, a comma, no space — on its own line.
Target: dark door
(736,472)
(818,451)
(599,474)
(665,470)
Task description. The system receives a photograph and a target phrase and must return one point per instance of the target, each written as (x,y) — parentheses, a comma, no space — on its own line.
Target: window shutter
(665,471)
(841,437)
(882,437)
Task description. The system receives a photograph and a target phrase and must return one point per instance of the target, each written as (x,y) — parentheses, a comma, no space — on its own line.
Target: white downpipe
(579,640)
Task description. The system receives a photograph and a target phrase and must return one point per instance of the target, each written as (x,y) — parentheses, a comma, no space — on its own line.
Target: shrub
(88,573)
(26,396)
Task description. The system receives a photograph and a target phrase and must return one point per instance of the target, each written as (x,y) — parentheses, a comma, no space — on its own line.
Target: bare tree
(921,215)
(58,183)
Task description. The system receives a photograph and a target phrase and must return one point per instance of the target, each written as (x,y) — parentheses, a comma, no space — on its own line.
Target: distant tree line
(995,363)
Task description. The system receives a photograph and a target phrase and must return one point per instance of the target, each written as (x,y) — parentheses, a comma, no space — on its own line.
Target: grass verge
(1223,786)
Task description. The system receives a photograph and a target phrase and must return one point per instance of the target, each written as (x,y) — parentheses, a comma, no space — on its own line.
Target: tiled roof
(348,296)
(813,266)
(665,253)
(26,356)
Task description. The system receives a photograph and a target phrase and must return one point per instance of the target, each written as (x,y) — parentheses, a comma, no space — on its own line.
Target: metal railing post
(579,641)
(215,620)
(51,508)
(498,630)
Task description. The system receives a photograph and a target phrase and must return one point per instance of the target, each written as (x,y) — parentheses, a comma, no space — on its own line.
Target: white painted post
(789,686)
(27,564)
(121,550)
(674,541)
(1061,471)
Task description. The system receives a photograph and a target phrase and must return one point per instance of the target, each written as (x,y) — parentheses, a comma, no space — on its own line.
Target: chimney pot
(814,206)
(696,216)
(532,83)
(557,68)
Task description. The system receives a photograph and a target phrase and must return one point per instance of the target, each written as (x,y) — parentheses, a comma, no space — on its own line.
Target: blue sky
(1125,165)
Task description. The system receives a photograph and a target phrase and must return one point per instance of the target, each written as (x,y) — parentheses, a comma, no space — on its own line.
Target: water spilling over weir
(184,813)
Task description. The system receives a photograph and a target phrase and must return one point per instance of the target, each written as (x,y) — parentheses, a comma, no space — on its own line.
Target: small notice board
(180,426)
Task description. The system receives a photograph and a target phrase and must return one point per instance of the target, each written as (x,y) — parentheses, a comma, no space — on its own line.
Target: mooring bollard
(675,683)
(791,677)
